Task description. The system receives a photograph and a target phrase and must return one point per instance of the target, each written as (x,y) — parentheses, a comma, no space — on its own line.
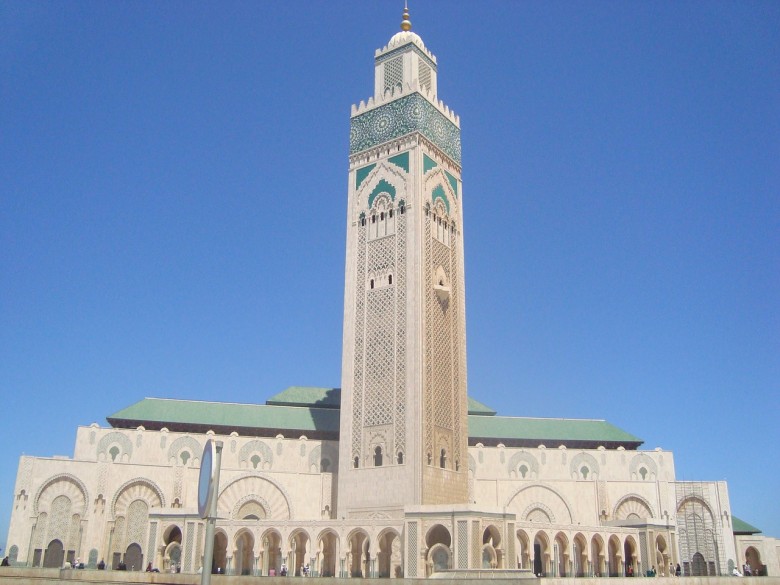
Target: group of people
(673,571)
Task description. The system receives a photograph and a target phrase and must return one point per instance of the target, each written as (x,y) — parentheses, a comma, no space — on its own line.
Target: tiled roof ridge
(558,418)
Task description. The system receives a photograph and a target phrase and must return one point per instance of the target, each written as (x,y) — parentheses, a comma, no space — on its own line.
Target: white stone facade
(401,492)
(138,487)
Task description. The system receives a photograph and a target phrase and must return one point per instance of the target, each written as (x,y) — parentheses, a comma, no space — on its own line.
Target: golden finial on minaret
(406,24)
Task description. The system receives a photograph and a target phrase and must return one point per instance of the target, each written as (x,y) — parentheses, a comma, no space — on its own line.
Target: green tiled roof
(226,417)
(476,407)
(551,432)
(741,527)
(281,415)
(307,396)
(331,398)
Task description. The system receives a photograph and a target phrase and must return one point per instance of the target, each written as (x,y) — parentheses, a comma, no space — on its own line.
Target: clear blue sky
(173,182)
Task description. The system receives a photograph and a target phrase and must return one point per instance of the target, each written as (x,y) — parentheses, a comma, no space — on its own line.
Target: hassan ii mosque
(398,473)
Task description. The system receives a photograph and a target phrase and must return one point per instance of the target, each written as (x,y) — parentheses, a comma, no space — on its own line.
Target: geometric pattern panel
(140,489)
(633,507)
(273,502)
(400,341)
(259,447)
(137,522)
(394,73)
(412,551)
(359,349)
(463,544)
(542,498)
(411,113)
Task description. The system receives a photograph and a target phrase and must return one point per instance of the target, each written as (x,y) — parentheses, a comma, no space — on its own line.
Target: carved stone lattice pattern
(102,474)
(25,475)
(256,447)
(74,535)
(60,519)
(117,439)
(400,343)
(476,542)
(273,499)
(40,530)
(587,461)
(633,507)
(152,536)
(463,549)
(177,483)
(137,522)
(526,458)
(199,552)
(411,551)
(441,338)
(185,443)
(424,75)
(429,300)
(458,345)
(411,113)
(538,512)
(603,497)
(360,311)
(380,338)
(188,548)
(640,462)
(510,545)
(253,506)
(119,535)
(137,489)
(63,484)
(394,73)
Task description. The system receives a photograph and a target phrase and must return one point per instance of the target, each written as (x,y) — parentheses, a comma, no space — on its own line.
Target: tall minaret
(403,435)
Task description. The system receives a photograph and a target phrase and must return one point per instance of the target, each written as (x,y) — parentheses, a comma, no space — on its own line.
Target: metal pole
(208,549)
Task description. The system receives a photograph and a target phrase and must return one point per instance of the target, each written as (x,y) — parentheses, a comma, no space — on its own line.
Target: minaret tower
(403,437)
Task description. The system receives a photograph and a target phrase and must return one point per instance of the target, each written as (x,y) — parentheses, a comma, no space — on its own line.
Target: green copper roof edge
(740,526)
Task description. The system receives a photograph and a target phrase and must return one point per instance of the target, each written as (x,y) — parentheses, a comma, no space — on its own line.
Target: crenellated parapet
(398,92)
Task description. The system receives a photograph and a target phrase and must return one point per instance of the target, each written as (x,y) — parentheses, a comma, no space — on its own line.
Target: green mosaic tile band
(411,113)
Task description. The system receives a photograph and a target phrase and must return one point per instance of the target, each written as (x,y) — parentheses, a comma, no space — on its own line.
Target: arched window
(356,462)
(255,460)
(400,458)
(402,209)
(390,213)
(378,457)
(390,279)
(185,456)
(585,471)
(523,471)
(643,473)
(443,459)
(324,464)
(114,452)
(362,221)
(372,283)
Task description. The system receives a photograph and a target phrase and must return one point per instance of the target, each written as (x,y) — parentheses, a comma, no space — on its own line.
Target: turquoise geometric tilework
(411,113)
(428,163)
(454,182)
(362,173)
(401,161)
(381,187)
(438,191)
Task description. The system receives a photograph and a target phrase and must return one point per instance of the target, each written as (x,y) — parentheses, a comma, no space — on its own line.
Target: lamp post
(208,491)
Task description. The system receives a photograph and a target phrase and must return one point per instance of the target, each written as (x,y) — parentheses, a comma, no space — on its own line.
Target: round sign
(206,481)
